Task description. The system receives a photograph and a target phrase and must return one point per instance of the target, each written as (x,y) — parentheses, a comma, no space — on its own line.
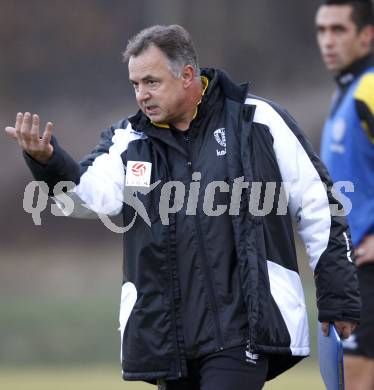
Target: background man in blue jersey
(345,34)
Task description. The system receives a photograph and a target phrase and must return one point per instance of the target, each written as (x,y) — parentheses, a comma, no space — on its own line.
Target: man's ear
(367,36)
(188,75)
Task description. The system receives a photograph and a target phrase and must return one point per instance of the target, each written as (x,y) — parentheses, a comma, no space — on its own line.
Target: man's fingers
(47,133)
(19,119)
(35,126)
(345,332)
(11,131)
(325,328)
(345,328)
(362,255)
(25,126)
(14,132)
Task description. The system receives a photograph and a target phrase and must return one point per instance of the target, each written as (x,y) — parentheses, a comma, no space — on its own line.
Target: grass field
(102,377)
(59,320)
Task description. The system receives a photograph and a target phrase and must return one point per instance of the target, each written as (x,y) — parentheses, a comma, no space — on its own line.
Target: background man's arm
(364,101)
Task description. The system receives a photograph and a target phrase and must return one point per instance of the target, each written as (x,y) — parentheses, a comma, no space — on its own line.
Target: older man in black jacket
(208,179)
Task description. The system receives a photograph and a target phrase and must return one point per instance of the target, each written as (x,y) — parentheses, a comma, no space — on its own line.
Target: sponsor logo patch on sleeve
(138,173)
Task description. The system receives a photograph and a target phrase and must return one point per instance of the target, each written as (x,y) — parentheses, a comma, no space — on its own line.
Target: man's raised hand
(26,132)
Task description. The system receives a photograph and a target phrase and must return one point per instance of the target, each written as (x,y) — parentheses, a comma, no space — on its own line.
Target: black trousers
(224,370)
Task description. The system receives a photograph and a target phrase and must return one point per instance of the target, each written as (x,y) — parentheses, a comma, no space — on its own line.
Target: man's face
(159,94)
(339,41)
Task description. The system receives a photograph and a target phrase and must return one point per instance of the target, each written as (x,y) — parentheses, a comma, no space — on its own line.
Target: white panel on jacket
(129,296)
(287,291)
(308,201)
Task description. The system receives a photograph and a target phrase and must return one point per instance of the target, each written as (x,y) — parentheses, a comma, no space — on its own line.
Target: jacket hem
(144,376)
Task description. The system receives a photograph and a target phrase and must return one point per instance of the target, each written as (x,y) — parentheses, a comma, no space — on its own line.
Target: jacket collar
(219,78)
(345,78)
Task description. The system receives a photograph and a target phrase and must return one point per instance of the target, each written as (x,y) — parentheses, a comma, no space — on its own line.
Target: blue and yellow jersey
(347,146)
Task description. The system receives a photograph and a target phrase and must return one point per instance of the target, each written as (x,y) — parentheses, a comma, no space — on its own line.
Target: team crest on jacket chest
(220,137)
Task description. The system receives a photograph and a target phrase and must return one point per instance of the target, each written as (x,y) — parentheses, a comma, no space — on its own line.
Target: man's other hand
(344,328)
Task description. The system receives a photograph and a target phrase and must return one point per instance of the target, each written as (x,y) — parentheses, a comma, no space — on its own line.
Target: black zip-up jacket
(208,272)
(243,142)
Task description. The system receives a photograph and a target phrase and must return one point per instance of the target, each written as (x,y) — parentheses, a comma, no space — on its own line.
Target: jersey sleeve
(364,101)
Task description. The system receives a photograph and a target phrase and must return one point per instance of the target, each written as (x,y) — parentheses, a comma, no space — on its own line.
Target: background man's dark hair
(174,41)
(362,11)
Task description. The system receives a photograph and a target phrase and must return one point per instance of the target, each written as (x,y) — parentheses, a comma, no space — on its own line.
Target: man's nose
(142,93)
(328,39)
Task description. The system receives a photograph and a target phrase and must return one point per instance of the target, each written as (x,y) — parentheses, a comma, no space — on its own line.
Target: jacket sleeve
(364,101)
(325,235)
(93,185)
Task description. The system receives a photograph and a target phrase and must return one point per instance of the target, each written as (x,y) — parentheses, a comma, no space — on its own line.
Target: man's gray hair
(174,41)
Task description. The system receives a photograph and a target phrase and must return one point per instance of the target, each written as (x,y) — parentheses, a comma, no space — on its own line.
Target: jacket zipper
(204,262)
(174,316)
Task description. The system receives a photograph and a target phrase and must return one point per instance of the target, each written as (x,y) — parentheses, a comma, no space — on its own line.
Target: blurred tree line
(62,59)
(72,48)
